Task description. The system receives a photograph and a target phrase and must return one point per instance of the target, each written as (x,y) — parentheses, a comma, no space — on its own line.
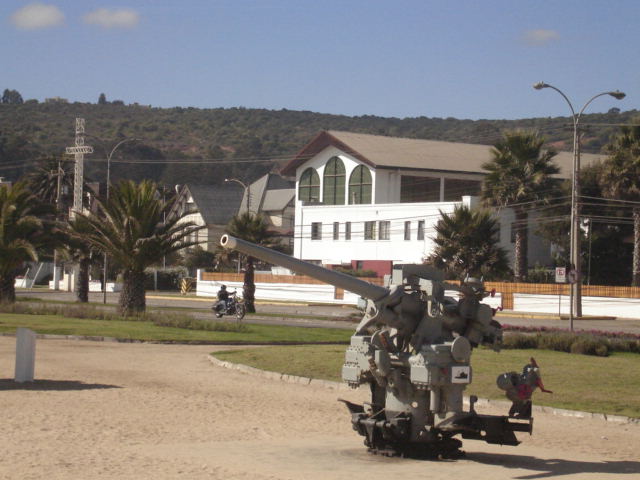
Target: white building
(370,201)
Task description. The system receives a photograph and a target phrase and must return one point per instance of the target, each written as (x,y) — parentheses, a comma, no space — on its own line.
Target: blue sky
(393,58)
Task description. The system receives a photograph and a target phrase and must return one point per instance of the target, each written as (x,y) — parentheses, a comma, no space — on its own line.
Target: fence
(524,297)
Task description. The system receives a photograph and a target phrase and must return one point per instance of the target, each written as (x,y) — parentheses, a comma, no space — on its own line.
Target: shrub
(520,341)
(589,345)
(558,341)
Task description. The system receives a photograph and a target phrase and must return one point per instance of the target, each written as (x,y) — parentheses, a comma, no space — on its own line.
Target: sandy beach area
(104,410)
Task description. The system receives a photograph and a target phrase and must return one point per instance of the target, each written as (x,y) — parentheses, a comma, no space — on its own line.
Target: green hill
(179,145)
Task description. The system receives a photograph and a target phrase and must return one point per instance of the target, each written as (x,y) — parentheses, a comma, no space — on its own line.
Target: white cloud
(118,18)
(37,15)
(540,36)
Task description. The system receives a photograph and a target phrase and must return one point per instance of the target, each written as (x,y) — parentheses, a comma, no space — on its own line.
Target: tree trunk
(132,298)
(7,289)
(82,281)
(635,281)
(522,246)
(249,287)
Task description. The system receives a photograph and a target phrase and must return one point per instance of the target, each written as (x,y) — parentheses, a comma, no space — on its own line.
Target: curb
(98,338)
(561,412)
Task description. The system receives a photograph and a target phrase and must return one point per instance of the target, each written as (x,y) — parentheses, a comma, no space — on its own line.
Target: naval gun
(413,349)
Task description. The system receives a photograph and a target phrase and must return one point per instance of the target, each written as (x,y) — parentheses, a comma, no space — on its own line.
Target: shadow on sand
(54,385)
(553,467)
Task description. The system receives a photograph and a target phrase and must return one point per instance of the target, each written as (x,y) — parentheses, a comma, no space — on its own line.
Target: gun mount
(413,348)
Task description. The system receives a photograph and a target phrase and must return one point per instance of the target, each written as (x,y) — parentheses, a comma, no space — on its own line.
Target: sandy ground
(137,411)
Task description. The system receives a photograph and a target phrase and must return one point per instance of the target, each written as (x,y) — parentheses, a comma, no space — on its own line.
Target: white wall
(539,250)
(396,249)
(605,306)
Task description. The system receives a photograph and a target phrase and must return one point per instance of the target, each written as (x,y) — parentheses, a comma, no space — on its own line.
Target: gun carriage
(413,349)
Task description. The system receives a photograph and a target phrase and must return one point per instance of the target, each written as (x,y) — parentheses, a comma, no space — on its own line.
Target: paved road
(336,316)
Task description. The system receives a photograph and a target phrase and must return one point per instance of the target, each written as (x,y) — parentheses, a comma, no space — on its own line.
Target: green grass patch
(148,331)
(593,384)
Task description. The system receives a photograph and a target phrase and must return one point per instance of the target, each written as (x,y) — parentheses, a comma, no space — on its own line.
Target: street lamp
(247,190)
(104,272)
(574,247)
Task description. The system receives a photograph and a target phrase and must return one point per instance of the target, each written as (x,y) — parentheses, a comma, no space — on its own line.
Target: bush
(520,341)
(586,345)
(583,344)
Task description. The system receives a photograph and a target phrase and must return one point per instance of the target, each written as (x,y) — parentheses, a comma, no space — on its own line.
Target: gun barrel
(342,280)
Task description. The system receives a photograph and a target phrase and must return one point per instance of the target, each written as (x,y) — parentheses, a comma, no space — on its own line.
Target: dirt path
(136,411)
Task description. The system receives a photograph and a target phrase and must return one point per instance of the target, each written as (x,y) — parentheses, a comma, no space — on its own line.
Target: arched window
(360,185)
(333,193)
(309,186)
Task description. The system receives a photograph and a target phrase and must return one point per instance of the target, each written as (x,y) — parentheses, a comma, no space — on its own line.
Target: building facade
(368,201)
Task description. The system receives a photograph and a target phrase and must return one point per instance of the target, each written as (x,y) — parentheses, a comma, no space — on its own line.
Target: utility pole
(56,272)
(78,151)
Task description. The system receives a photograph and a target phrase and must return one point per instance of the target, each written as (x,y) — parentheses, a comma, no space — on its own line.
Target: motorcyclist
(223,299)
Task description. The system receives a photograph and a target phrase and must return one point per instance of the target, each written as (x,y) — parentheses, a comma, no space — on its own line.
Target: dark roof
(216,203)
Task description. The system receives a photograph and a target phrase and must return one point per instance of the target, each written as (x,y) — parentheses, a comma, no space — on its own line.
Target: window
(419,189)
(420,229)
(407,230)
(309,186)
(360,186)
(316,231)
(369,230)
(347,231)
(454,189)
(336,230)
(384,226)
(333,193)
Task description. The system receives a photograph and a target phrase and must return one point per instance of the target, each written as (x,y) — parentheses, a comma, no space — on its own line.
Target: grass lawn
(139,330)
(579,382)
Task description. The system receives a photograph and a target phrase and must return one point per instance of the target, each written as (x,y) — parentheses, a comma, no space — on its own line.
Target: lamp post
(247,190)
(104,271)
(575,306)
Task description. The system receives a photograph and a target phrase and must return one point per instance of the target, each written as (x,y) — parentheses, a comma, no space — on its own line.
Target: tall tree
(22,234)
(50,180)
(81,252)
(519,176)
(255,229)
(11,97)
(130,227)
(467,245)
(102,99)
(621,181)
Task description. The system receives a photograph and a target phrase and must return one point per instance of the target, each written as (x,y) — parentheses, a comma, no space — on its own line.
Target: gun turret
(413,347)
(342,280)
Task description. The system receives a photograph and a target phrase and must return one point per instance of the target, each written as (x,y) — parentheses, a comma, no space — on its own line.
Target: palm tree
(255,229)
(81,253)
(131,229)
(620,180)
(467,245)
(520,177)
(22,234)
(43,182)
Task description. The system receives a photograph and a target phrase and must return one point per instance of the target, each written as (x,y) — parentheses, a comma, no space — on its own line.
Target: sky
(392,58)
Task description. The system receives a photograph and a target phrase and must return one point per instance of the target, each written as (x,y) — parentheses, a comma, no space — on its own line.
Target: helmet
(223,287)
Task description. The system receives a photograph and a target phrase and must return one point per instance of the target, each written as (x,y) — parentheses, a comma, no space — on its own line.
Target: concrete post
(25,355)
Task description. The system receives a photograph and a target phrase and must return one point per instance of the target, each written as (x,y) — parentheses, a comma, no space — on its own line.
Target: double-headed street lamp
(574,246)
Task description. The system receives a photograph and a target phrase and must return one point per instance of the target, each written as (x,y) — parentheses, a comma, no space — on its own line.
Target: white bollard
(25,355)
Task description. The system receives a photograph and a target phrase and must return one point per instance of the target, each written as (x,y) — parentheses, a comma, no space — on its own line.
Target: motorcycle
(233,306)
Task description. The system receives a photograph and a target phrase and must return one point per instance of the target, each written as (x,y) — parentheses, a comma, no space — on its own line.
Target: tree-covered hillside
(180,145)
